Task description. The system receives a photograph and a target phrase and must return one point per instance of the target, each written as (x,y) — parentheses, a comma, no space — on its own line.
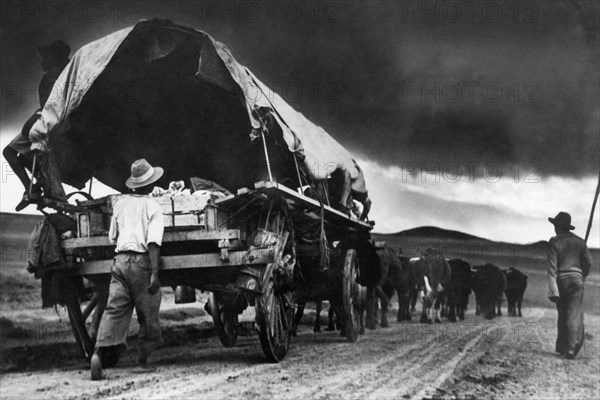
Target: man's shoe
(28,198)
(22,204)
(96,367)
(144,352)
(570,355)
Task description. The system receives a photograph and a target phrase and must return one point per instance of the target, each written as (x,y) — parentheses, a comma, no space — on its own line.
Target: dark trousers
(570,314)
(18,152)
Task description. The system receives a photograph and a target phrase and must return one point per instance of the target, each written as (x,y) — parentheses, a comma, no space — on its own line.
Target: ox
(516,283)
(399,280)
(333,314)
(375,261)
(458,289)
(403,281)
(488,283)
(432,274)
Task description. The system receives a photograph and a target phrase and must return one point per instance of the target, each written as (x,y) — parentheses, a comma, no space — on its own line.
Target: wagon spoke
(281,322)
(272,312)
(225,322)
(277,333)
(351,296)
(285,322)
(91,306)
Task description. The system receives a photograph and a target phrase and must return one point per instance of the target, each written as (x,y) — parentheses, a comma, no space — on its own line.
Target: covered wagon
(267,234)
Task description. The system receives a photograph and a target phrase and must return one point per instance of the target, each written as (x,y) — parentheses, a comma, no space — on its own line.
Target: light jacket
(568,256)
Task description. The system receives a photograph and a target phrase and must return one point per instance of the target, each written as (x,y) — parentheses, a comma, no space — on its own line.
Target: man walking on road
(569,264)
(137,228)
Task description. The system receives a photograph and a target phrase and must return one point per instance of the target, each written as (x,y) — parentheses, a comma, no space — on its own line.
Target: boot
(96,366)
(28,198)
(145,348)
(22,204)
(143,353)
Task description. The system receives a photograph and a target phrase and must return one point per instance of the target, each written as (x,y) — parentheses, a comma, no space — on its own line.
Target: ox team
(443,286)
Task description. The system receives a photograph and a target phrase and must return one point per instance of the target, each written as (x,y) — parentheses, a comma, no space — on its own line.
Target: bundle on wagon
(272,210)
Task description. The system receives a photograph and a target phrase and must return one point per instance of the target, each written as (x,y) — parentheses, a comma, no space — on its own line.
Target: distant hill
(433,232)
(17,225)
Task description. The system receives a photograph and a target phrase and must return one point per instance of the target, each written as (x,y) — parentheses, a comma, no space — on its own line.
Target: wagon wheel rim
(274,320)
(351,297)
(226,323)
(81,193)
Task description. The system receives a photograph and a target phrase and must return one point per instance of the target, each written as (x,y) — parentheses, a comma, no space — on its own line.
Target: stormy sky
(480,95)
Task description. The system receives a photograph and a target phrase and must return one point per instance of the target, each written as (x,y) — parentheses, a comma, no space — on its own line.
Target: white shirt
(136,221)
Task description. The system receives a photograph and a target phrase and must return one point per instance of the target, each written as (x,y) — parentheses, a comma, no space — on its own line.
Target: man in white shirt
(137,229)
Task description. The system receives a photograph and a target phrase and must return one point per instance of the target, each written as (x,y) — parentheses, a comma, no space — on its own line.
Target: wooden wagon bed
(260,247)
(213,231)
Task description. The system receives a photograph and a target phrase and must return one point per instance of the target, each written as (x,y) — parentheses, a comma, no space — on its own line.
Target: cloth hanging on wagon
(44,247)
(44,256)
(44,251)
(156,90)
(205,184)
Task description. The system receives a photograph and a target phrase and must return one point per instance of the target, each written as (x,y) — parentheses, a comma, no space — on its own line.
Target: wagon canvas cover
(178,98)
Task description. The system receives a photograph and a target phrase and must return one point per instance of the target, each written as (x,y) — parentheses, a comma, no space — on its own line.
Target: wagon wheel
(80,311)
(274,314)
(226,323)
(351,297)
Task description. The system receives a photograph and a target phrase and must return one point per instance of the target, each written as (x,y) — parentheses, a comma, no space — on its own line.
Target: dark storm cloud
(404,81)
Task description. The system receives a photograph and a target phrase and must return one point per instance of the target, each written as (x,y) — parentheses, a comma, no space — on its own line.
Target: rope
(238,211)
(292,239)
(264,141)
(323,248)
(298,172)
(326,190)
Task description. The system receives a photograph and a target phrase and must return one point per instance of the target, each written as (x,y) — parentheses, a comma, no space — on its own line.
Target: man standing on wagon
(569,264)
(137,229)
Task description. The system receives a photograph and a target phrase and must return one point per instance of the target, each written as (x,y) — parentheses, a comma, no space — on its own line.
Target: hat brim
(553,222)
(158,173)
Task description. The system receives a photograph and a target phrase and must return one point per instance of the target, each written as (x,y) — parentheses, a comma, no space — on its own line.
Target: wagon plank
(169,236)
(193,261)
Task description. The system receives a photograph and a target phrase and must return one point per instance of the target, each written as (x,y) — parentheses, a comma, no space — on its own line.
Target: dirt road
(503,358)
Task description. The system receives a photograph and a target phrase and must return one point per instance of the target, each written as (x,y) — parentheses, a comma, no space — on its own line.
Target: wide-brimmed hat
(562,220)
(57,48)
(143,174)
